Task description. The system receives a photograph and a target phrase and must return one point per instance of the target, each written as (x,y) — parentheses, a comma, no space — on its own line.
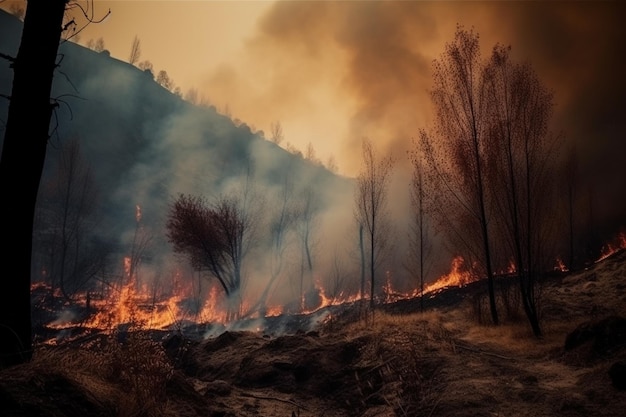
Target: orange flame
(459,276)
(613,247)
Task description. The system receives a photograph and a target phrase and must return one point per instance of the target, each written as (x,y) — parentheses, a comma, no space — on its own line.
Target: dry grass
(437,363)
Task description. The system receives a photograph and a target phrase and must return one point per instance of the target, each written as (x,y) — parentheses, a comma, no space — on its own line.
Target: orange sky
(334,72)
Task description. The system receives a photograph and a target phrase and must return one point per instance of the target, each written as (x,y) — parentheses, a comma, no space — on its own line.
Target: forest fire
(137,306)
(613,247)
(458,276)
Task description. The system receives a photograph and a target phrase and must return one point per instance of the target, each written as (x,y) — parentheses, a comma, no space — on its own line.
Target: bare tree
(99,45)
(419,245)
(331,164)
(66,222)
(457,151)
(371,206)
(306,217)
(164,80)
(135,51)
(215,238)
(520,108)
(276,132)
(281,220)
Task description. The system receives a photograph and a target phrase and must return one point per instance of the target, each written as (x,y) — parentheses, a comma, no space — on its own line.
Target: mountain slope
(145,145)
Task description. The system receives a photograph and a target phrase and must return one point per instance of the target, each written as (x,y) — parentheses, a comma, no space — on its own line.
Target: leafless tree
(522,163)
(99,45)
(65,225)
(164,80)
(217,237)
(306,222)
(419,232)
(276,132)
(135,51)
(371,206)
(457,150)
(281,220)
(192,96)
(310,154)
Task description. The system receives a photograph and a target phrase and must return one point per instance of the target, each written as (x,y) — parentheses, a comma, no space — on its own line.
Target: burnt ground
(398,362)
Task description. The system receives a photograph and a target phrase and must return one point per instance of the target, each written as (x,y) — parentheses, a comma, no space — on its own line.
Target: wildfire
(611,248)
(459,276)
(560,266)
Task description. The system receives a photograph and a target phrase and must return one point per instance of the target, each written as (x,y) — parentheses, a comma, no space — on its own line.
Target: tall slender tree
(457,150)
(371,206)
(419,244)
(21,165)
(520,107)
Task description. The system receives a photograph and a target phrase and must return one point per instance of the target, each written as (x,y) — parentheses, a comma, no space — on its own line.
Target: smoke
(372,63)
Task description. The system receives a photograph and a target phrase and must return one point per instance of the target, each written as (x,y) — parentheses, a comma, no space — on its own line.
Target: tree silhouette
(458,151)
(66,214)
(520,107)
(419,244)
(371,206)
(21,165)
(215,238)
(135,51)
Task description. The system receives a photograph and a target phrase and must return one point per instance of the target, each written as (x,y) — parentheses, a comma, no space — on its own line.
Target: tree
(457,152)
(419,246)
(276,132)
(99,45)
(164,80)
(519,109)
(64,228)
(306,216)
(281,219)
(135,51)
(214,237)
(21,166)
(371,206)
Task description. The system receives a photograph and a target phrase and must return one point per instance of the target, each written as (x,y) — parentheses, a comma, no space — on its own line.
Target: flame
(613,247)
(560,266)
(459,276)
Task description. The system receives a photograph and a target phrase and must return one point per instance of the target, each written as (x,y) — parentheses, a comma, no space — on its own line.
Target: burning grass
(393,363)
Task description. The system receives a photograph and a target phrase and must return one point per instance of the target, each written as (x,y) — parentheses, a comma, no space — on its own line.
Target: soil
(397,361)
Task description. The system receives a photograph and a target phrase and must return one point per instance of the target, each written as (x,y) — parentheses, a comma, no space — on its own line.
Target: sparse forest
(173,260)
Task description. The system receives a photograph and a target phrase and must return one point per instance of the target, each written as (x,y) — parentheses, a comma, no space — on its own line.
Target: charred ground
(402,363)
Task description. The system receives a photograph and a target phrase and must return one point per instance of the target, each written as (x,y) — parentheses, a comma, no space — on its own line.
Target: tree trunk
(21,166)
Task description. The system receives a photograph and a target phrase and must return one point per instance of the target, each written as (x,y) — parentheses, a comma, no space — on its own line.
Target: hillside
(143,146)
(436,363)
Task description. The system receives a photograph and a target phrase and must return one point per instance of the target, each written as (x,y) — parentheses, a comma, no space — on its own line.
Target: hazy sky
(335,72)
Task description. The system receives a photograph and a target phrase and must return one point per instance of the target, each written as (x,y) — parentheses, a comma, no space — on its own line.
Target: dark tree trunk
(21,165)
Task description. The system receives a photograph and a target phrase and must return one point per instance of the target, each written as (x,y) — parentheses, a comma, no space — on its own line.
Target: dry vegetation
(437,363)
